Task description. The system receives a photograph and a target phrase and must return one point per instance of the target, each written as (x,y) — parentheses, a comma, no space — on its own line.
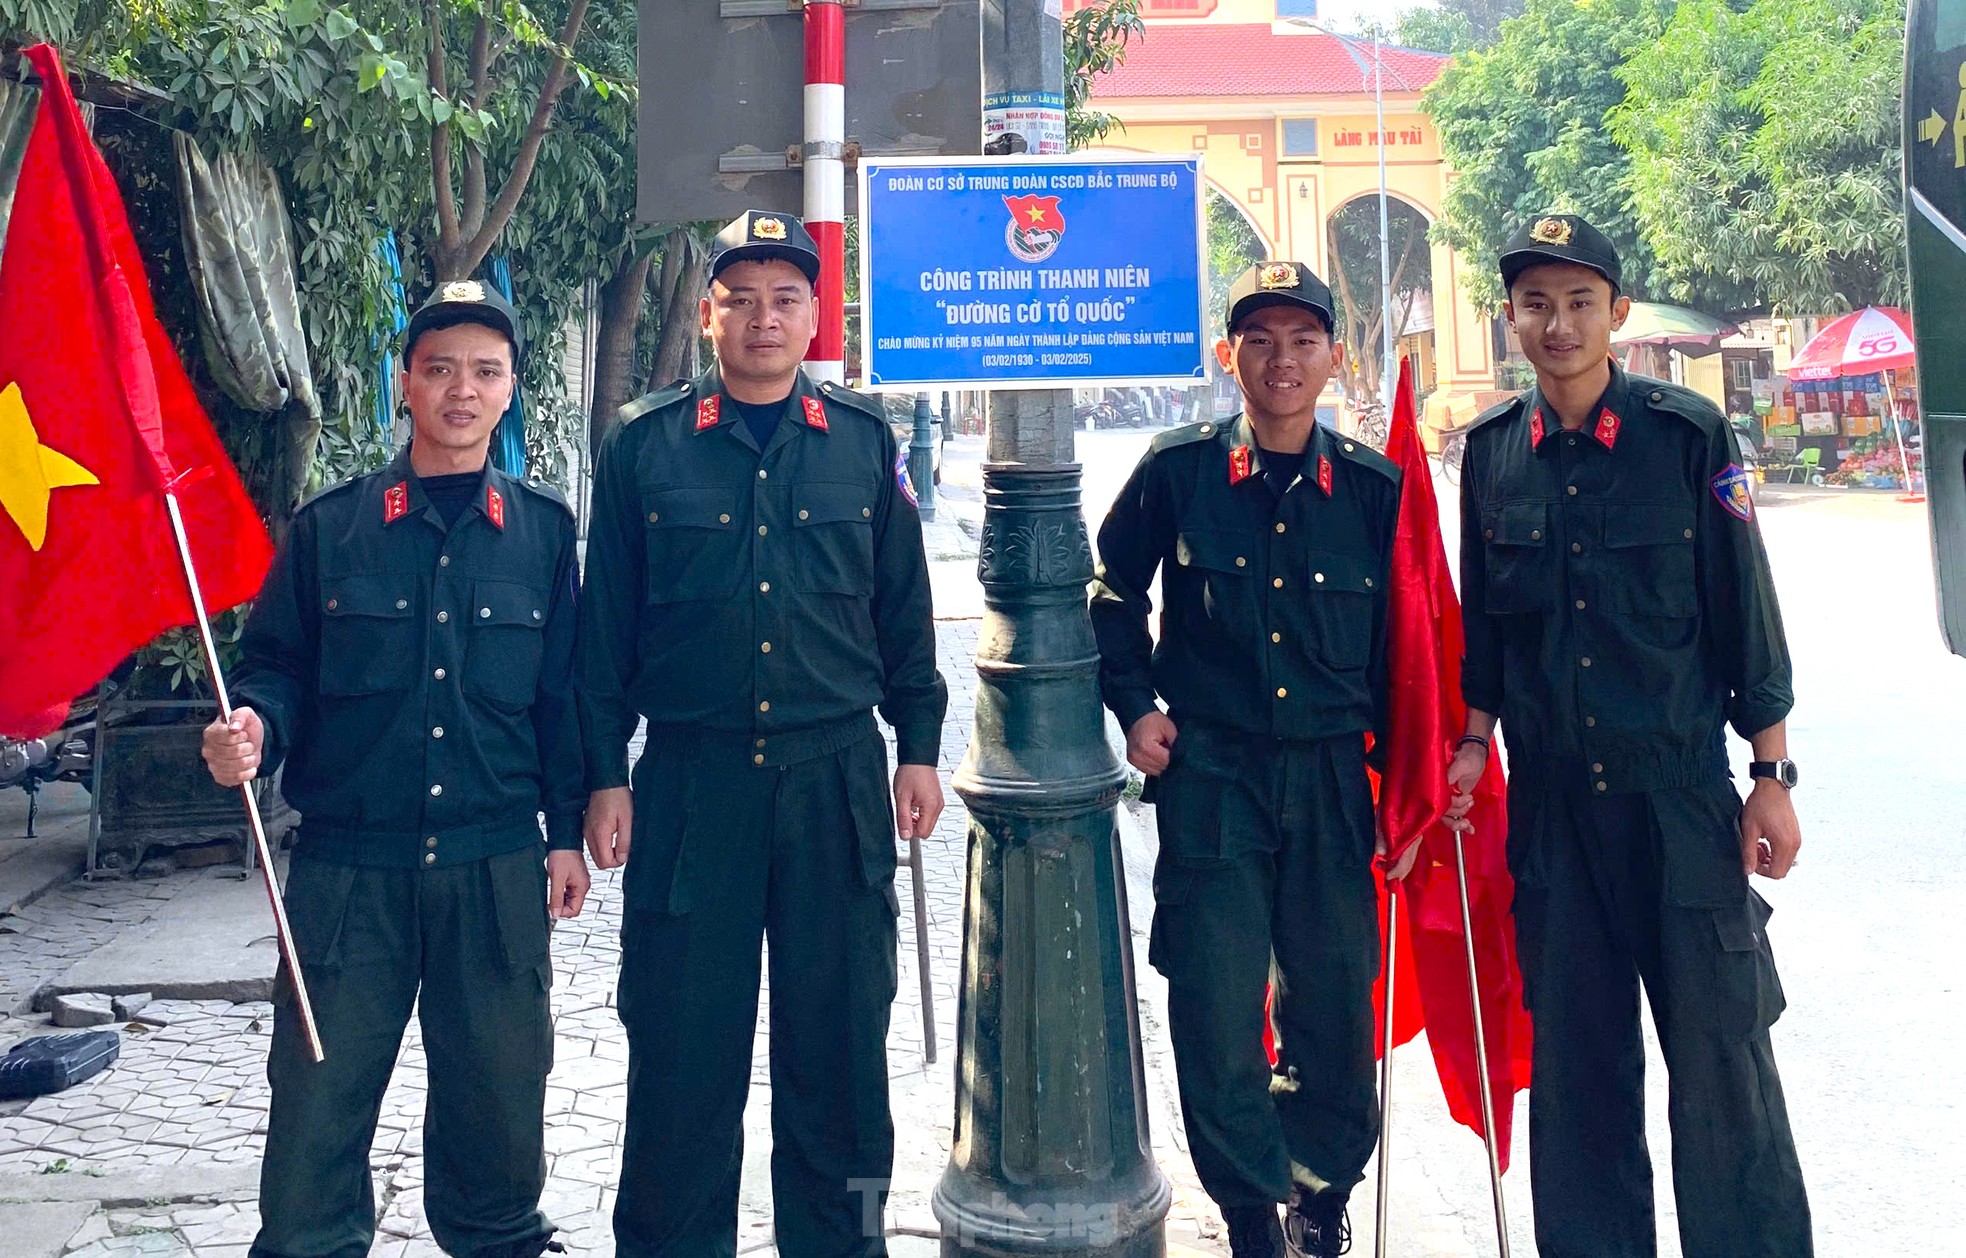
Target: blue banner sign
(1031,272)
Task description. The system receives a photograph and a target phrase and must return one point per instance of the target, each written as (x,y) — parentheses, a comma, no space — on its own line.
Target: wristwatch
(1782,771)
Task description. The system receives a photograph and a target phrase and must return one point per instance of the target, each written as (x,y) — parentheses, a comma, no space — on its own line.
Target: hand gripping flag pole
(1481,1053)
(261,848)
(1386,1075)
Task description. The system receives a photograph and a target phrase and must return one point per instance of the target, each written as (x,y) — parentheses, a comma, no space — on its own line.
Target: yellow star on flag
(30,471)
(1037,214)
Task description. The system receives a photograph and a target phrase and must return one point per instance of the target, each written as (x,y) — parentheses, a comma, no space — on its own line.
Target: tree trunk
(614,343)
(685,266)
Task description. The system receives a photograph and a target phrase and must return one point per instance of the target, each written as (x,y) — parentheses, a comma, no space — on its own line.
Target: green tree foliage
(1433,30)
(1233,247)
(1522,122)
(366,129)
(1358,294)
(1095,42)
(1764,150)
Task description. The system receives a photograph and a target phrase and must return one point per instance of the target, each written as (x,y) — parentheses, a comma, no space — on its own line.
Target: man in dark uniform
(1273,536)
(410,660)
(756,586)
(1619,616)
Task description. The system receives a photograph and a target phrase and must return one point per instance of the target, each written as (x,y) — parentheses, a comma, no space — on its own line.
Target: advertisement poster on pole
(1024,122)
(1032,272)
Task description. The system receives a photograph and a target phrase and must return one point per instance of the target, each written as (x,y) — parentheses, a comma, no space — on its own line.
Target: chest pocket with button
(695,546)
(369,635)
(833,532)
(1648,560)
(505,642)
(1224,561)
(1516,554)
(1340,596)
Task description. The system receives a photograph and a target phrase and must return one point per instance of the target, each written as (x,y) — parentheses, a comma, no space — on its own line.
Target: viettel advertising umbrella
(1673,327)
(1876,338)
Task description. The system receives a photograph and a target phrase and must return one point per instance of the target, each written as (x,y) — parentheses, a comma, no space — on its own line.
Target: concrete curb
(132,1188)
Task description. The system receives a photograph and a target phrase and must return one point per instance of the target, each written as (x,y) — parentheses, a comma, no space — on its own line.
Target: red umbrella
(1876,338)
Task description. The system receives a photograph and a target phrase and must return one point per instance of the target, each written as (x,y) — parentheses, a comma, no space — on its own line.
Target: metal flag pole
(1481,1054)
(281,930)
(921,948)
(1386,1076)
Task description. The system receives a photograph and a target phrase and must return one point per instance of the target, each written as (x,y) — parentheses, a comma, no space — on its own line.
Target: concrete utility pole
(1051,1154)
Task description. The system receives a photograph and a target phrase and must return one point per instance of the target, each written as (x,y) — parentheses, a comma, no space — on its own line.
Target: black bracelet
(1476,739)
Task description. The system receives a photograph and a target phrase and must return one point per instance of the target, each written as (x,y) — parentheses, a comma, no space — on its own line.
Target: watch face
(1789,776)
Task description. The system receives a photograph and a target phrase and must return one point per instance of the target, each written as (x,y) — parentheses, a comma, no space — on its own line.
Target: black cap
(1279,284)
(755,236)
(1559,238)
(465,301)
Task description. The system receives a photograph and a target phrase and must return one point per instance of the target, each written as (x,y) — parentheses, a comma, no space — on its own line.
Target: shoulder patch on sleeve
(866,405)
(1187,434)
(1733,487)
(649,403)
(1358,452)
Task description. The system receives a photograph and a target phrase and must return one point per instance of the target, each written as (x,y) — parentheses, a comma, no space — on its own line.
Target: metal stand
(1481,1053)
(1386,1077)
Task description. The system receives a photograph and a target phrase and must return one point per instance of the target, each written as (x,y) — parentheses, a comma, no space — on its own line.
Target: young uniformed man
(410,661)
(756,587)
(1619,617)
(1272,535)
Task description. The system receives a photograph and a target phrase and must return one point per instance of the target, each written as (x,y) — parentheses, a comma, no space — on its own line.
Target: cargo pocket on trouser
(1699,835)
(1748,991)
(655,881)
(1188,811)
(1174,885)
(316,899)
(518,892)
(863,772)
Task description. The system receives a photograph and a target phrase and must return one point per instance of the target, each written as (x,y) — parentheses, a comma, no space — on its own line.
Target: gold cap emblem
(463,290)
(1278,275)
(1551,231)
(768,229)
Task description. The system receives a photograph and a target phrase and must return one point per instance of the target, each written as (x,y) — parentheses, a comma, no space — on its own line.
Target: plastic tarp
(238,245)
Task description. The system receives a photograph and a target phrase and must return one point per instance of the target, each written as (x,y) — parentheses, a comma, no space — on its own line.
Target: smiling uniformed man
(1620,615)
(1272,535)
(410,660)
(757,587)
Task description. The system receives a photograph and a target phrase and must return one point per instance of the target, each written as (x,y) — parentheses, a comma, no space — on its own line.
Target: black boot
(1254,1231)
(1316,1224)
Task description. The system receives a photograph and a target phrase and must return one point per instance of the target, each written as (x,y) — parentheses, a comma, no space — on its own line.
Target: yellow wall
(1706,376)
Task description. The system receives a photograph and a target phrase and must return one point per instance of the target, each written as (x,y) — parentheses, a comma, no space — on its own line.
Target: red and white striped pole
(825,179)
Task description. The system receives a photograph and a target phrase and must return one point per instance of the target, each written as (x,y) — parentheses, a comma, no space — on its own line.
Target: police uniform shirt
(416,679)
(1615,591)
(761,590)
(1274,603)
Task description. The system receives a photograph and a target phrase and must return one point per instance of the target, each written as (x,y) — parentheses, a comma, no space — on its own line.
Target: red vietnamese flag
(1425,720)
(97,422)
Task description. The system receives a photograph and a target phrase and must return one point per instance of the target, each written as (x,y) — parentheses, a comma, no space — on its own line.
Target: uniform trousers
(1646,889)
(727,853)
(466,946)
(1266,854)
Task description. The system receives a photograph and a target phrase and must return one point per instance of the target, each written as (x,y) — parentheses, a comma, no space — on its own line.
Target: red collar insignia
(1536,428)
(1324,474)
(1607,430)
(815,413)
(395,502)
(1239,465)
(495,506)
(706,411)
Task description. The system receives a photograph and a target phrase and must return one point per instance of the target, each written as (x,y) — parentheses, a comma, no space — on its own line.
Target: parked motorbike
(66,755)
